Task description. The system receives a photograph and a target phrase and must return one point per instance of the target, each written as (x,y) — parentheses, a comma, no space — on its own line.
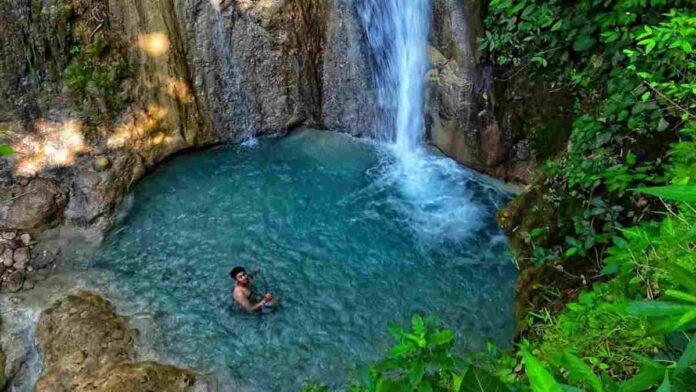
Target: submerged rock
(86,346)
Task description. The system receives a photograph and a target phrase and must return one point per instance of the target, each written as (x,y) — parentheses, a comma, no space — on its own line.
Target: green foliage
(5,150)
(592,329)
(93,78)
(422,360)
(631,66)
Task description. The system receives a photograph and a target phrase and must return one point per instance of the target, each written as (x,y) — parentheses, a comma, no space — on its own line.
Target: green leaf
(479,380)
(681,295)
(418,325)
(443,337)
(671,192)
(396,331)
(686,318)
(665,387)
(584,43)
(571,252)
(650,373)
(688,357)
(6,150)
(425,386)
(539,378)
(580,372)
(416,374)
(682,276)
(656,308)
(401,349)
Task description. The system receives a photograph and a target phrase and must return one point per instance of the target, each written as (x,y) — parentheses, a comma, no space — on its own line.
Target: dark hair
(235,271)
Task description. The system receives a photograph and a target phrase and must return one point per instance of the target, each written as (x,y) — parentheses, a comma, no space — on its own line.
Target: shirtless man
(242,291)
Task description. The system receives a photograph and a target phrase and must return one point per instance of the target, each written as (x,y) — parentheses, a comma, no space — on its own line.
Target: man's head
(239,275)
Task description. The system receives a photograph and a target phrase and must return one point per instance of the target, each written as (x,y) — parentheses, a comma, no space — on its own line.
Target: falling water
(397,32)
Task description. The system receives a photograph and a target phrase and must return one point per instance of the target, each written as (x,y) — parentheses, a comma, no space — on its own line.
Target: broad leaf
(687,358)
(418,325)
(665,386)
(443,337)
(682,276)
(650,374)
(539,378)
(671,192)
(479,380)
(580,372)
(656,308)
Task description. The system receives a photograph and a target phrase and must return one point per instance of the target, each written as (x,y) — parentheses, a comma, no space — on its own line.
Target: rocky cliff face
(94,93)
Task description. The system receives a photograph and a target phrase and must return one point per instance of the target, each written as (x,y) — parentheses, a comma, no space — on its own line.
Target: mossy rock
(531,209)
(84,328)
(86,346)
(131,377)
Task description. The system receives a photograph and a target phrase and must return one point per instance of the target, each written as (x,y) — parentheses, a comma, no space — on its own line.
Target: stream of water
(347,240)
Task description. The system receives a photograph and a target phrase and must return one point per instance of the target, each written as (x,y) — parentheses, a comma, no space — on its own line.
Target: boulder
(43,260)
(134,377)
(83,324)
(6,258)
(13,282)
(32,207)
(86,346)
(21,258)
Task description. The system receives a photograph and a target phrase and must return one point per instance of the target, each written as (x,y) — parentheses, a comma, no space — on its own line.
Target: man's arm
(244,302)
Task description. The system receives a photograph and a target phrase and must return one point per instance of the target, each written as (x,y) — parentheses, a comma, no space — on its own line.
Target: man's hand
(267,298)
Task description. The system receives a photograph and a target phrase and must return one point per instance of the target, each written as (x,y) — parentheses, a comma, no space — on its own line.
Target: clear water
(397,33)
(345,235)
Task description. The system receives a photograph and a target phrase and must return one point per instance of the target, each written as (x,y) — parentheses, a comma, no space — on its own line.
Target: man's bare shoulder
(240,292)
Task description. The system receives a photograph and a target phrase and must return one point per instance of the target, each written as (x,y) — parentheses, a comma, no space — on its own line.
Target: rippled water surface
(349,239)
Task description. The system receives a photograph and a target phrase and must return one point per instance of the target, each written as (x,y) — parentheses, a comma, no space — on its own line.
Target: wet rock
(21,258)
(13,282)
(86,346)
(43,260)
(7,258)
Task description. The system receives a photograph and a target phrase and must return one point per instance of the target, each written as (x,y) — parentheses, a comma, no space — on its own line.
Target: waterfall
(397,33)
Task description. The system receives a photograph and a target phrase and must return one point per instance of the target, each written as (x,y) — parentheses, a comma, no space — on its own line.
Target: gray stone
(43,260)
(6,257)
(32,207)
(9,235)
(26,239)
(13,281)
(21,258)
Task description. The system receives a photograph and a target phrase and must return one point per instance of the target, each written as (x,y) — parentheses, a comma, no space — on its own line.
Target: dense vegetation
(623,196)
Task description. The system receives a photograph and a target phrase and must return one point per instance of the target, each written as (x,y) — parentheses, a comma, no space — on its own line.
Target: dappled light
(179,89)
(54,144)
(154,44)
(140,128)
